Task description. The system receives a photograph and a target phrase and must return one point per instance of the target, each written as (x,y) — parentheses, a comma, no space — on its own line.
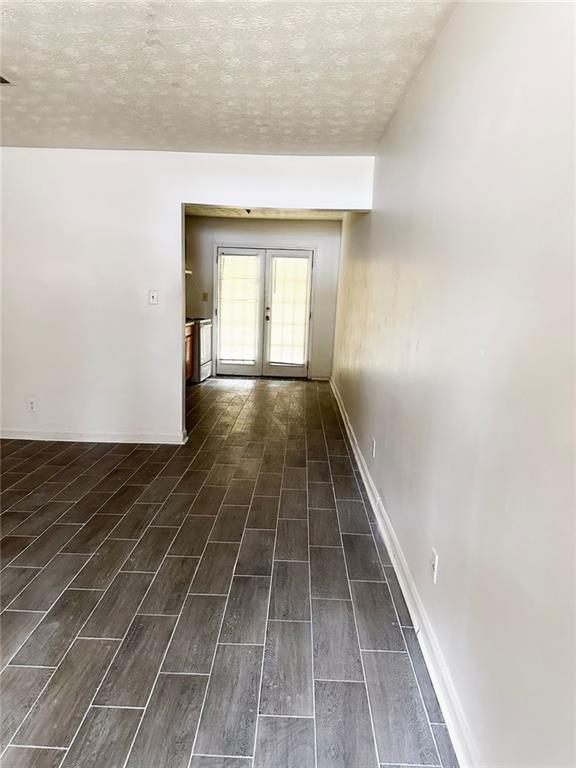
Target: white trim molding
(172,438)
(456,721)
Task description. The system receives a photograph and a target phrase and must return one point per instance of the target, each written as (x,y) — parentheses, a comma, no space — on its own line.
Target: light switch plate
(152,297)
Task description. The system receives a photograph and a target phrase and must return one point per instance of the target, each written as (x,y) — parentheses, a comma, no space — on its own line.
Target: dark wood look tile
(158,490)
(204,459)
(135,522)
(55,577)
(81,511)
(49,642)
(37,497)
(362,558)
(29,757)
(12,546)
(295,458)
(191,482)
(194,641)
(319,472)
(380,545)
(150,550)
(176,467)
(344,735)
(16,627)
(352,516)
(317,453)
(294,504)
(214,573)
(11,520)
(91,535)
(268,484)
(448,757)
(228,722)
(13,581)
(229,523)
(336,651)
(346,487)
(104,739)
(321,496)
(56,715)
(245,617)
(146,473)
(19,689)
(174,509)
(192,595)
(247,468)
(192,536)
(256,551)
(287,687)
(336,447)
(328,573)
(220,475)
(132,673)
(169,725)
(324,531)
(402,731)
(199,761)
(208,501)
(272,463)
(103,565)
(121,501)
(292,540)
(422,675)
(263,513)
(290,596)
(398,597)
(240,492)
(9,498)
(341,465)
(285,742)
(116,609)
(294,477)
(170,586)
(77,489)
(37,523)
(378,628)
(114,481)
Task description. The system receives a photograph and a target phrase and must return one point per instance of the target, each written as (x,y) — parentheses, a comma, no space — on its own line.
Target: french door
(263,311)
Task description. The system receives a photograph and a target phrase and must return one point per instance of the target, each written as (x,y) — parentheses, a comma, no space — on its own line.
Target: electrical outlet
(373,448)
(204,295)
(31,404)
(434,560)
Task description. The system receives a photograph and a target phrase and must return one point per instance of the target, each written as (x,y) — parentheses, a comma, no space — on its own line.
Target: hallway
(228,599)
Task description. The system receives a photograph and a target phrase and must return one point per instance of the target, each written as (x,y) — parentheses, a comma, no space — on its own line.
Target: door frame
(271,247)
(237,370)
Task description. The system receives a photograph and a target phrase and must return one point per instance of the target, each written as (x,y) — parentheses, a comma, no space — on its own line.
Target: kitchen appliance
(198,349)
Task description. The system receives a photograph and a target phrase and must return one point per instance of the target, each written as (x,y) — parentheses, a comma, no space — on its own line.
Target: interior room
(287,384)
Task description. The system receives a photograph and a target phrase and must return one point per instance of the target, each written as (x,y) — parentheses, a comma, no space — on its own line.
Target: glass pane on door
(289,310)
(239,308)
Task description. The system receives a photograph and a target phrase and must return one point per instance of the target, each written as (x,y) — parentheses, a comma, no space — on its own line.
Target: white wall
(202,234)
(86,234)
(454,350)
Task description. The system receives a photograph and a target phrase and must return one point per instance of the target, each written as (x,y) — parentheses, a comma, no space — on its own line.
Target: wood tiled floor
(227,603)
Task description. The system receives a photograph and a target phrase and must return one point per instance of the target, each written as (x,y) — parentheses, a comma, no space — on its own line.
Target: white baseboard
(456,721)
(173,438)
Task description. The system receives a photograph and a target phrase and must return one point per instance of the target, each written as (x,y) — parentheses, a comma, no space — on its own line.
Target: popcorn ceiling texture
(281,77)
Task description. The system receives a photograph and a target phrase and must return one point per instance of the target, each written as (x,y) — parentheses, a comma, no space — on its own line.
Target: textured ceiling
(277,77)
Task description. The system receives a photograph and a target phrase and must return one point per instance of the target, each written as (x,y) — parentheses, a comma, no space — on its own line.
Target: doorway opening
(262,311)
